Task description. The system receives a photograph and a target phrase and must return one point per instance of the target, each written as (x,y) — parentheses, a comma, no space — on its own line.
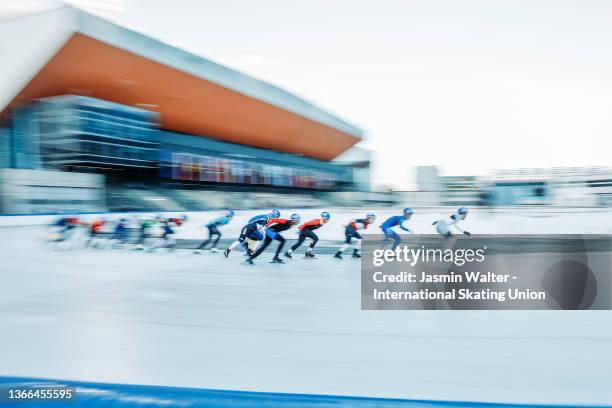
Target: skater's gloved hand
(467,233)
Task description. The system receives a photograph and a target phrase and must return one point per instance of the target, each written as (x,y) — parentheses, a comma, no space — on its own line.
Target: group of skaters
(151,232)
(255,237)
(263,229)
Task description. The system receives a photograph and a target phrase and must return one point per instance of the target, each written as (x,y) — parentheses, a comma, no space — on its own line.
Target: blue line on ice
(124,395)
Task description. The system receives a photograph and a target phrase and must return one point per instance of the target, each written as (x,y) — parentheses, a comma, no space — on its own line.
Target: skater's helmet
(295,217)
(229,213)
(371,216)
(325,215)
(462,210)
(408,211)
(184,217)
(275,213)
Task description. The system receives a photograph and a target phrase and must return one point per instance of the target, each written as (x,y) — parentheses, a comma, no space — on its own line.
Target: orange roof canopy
(186,103)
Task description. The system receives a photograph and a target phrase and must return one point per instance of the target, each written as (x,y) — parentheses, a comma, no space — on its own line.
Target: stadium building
(85,95)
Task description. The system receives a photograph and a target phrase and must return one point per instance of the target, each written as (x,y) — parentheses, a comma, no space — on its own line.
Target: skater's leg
(212,231)
(396,242)
(393,235)
(218,234)
(241,239)
(385,241)
(299,242)
(348,236)
(234,244)
(338,253)
(347,243)
(315,239)
(170,243)
(203,244)
(356,247)
(312,244)
(357,244)
(443,230)
(261,248)
(281,243)
(155,243)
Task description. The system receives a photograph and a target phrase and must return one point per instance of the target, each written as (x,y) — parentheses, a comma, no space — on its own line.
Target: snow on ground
(203,321)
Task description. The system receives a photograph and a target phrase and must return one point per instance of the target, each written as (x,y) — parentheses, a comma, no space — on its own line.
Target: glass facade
(79,133)
(75,131)
(22,141)
(5,148)
(200,159)
(211,169)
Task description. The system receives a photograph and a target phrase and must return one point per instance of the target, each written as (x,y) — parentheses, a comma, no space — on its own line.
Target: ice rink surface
(179,319)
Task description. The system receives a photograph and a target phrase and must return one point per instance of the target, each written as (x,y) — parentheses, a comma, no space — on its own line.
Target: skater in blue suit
(252,231)
(213,231)
(394,221)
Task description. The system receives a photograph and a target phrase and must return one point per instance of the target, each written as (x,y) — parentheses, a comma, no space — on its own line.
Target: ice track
(177,319)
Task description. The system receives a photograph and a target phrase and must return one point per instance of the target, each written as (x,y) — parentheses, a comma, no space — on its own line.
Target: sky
(466,85)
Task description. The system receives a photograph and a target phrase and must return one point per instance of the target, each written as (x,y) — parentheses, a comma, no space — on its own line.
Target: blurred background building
(563,186)
(162,129)
(558,186)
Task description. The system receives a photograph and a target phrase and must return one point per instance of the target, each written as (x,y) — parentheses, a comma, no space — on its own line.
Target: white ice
(203,321)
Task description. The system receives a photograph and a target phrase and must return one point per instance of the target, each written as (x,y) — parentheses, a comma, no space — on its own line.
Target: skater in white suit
(443,225)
